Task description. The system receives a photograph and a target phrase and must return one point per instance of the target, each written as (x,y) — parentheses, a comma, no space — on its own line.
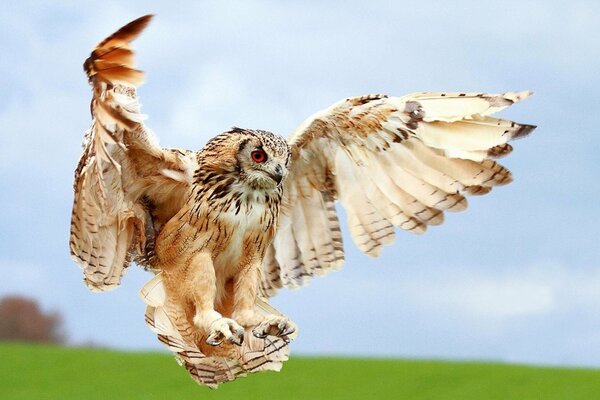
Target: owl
(224,228)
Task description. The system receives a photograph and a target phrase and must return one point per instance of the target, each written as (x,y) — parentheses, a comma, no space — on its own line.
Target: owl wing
(124,180)
(390,162)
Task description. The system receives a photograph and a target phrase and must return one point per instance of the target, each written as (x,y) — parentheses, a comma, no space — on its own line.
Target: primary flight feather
(223,228)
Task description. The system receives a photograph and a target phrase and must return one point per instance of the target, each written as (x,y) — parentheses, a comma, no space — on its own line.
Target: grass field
(40,372)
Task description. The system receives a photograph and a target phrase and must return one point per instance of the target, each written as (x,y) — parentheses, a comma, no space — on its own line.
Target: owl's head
(258,159)
(263,159)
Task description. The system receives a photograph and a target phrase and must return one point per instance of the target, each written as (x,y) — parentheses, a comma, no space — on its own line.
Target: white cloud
(486,297)
(544,313)
(481,293)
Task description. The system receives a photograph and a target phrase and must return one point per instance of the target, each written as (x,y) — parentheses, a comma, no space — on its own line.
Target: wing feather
(122,168)
(390,161)
(369,229)
(319,232)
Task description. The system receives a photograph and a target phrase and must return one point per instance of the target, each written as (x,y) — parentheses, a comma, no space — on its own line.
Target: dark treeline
(22,319)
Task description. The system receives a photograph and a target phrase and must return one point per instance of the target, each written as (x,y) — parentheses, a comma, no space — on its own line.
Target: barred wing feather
(390,162)
(121,168)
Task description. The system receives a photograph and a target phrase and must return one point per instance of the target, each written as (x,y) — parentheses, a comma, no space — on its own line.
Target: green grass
(42,372)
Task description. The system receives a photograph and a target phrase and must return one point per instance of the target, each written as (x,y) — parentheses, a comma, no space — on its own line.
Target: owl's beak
(277,175)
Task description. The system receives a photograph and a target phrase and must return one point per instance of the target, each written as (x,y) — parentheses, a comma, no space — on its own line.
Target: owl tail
(206,364)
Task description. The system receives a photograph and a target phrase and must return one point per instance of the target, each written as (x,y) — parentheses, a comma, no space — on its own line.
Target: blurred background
(514,278)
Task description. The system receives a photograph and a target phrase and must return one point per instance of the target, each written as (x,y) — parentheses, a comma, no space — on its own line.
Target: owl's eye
(258,156)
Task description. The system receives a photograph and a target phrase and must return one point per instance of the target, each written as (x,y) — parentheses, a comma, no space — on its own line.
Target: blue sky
(516,277)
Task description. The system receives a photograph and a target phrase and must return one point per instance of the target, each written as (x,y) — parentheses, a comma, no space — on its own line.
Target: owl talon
(258,334)
(236,340)
(288,331)
(213,340)
(225,328)
(275,326)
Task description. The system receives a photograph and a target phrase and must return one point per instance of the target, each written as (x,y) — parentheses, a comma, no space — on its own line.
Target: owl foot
(247,318)
(275,326)
(225,328)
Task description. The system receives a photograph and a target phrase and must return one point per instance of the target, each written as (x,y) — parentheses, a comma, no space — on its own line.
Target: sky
(514,278)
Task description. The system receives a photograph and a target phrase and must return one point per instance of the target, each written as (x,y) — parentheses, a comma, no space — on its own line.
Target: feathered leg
(246,286)
(200,285)
(245,289)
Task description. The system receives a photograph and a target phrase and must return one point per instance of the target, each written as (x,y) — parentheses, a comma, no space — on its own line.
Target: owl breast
(246,226)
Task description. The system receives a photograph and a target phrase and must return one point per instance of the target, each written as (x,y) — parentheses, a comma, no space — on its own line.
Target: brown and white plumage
(391,162)
(121,163)
(127,189)
(251,213)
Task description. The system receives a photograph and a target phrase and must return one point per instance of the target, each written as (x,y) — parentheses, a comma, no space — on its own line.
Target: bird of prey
(223,228)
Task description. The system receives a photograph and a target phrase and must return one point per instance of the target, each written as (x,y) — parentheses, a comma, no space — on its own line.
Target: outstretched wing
(390,161)
(125,184)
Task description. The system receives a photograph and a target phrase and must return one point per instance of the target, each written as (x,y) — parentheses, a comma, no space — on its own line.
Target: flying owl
(223,228)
